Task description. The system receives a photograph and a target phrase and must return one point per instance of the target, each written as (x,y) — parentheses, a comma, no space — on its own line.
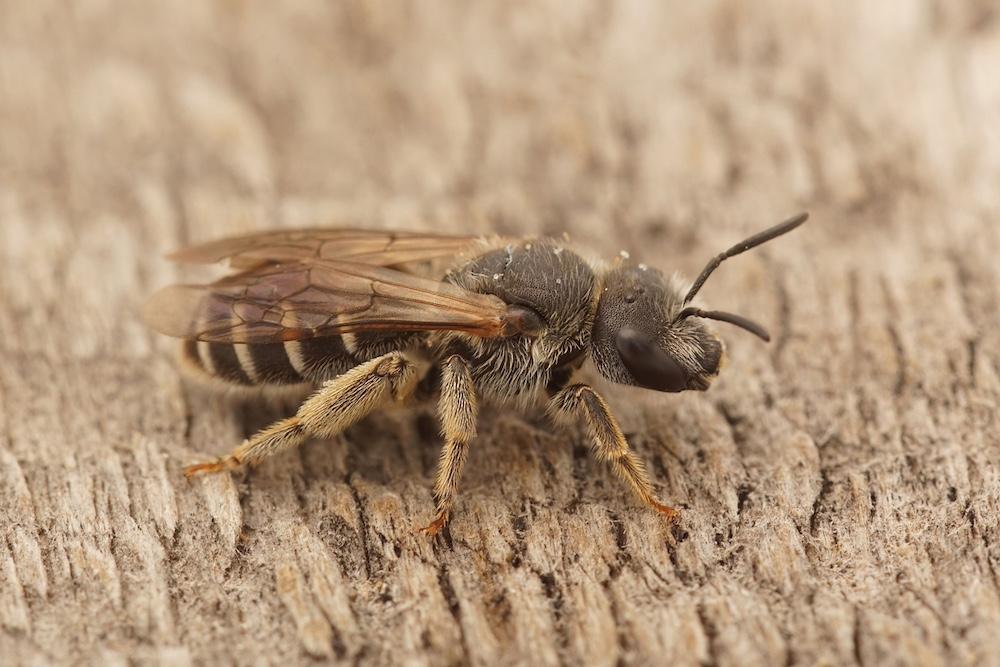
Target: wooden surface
(840,486)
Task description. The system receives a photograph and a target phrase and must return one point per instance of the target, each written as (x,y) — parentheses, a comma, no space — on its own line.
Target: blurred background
(825,479)
(131,128)
(534,117)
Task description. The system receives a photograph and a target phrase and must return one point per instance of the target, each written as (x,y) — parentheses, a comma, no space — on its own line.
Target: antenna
(729,318)
(741,247)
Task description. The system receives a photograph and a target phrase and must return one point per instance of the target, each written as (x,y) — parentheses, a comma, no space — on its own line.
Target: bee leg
(338,404)
(609,443)
(457,410)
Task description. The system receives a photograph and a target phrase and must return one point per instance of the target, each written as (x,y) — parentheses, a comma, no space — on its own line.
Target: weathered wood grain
(841,486)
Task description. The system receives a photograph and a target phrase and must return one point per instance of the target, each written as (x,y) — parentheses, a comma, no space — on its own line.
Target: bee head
(646,334)
(638,340)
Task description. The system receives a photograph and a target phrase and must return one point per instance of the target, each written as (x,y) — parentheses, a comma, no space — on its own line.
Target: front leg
(457,410)
(609,443)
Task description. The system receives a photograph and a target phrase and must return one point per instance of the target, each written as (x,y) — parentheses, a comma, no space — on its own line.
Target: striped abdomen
(295,362)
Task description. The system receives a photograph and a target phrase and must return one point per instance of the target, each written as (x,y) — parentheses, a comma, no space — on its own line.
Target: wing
(379,248)
(309,299)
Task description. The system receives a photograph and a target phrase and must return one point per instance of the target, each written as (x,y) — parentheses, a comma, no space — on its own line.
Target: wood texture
(840,486)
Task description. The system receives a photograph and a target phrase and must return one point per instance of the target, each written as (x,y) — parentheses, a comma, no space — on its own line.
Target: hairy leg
(609,443)
(338,404)
(457,410)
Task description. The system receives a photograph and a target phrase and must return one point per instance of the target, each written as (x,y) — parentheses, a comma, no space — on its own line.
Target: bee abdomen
(320,359)
(293,362)
(218,360)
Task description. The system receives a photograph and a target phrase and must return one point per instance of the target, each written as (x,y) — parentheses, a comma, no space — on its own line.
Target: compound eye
(651,367)
(523,320)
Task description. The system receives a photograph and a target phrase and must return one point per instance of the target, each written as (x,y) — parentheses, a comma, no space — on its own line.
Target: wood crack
(362,525)
(892,328)
(451,599)
(711,631)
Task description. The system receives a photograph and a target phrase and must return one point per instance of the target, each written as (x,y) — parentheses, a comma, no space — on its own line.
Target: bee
(357,315)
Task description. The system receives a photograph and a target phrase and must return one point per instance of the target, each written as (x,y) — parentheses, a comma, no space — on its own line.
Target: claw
(435,527)
(672,515)
(218,465)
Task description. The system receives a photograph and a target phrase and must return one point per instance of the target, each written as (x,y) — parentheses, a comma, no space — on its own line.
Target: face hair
(743,246)
(729,318)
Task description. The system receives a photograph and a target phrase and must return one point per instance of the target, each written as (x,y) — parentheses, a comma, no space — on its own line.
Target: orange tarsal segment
(219,465)
(435,526)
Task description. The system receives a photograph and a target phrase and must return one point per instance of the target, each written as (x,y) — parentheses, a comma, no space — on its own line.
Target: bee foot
(218,465)
(672,515)
(435,527)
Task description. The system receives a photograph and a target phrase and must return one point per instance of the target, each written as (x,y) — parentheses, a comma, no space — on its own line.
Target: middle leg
(457,409)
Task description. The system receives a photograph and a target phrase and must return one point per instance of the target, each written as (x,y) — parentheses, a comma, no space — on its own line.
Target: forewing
(378,248)
(300,300)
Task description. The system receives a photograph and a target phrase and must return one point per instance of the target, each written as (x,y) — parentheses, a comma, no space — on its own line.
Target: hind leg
(338,404)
